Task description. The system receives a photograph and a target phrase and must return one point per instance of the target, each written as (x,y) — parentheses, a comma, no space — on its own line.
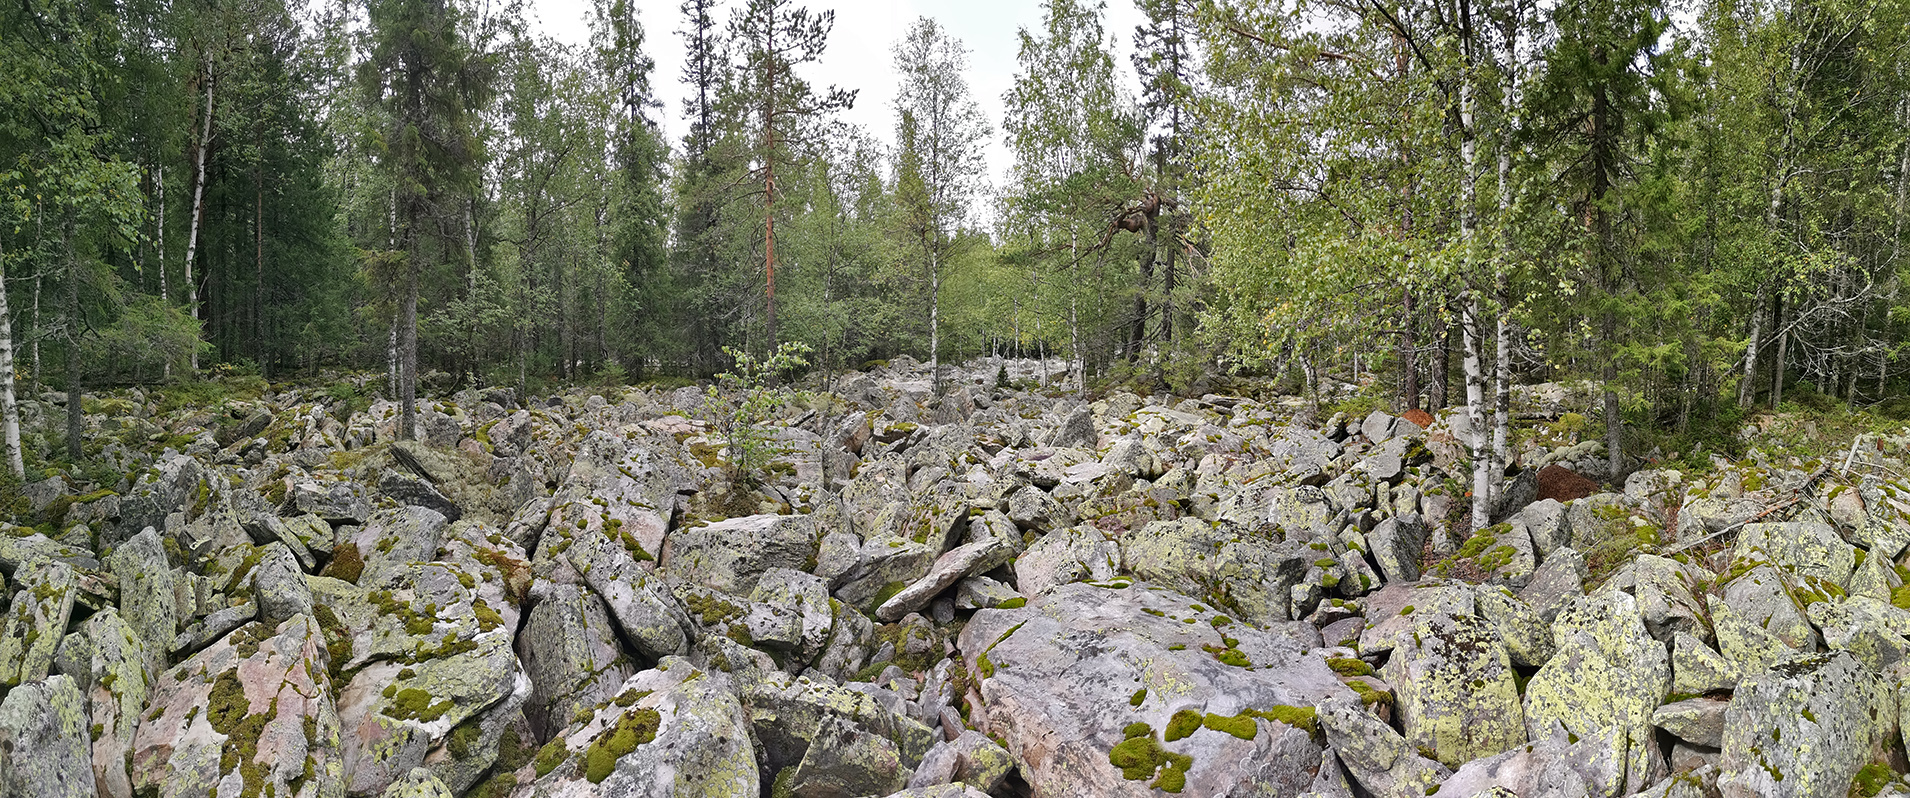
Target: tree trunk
(408,357)
(1480,439)
(934,320)
(258,274)
(75,421)
(9,412)
(197,214)
(1747,388)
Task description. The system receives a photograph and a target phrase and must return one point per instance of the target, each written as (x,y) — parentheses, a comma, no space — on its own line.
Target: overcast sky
(858,56)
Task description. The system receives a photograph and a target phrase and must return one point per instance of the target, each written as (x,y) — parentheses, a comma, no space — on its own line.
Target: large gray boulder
(1454,691)
(252,713)
(1602,686)
(43,741)
(676,731)
(1064,679)
(36,620)
(570,651)
(1804,728)
(731,555)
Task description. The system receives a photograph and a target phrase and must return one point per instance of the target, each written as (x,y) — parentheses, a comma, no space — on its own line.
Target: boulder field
(995,589)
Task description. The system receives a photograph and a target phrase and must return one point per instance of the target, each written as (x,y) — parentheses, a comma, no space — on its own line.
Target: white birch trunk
(198,211)
(934,320)
(1480,442)
(9,412)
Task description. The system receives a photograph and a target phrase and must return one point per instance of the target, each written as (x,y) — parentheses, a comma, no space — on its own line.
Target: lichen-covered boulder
(43,741)
(1104,690)
(1396,543)
(1762,598)
(1696,669)
(788,714)
(791,614)
(884,565)
(1803,728)
(731,555)
(1253,574)
(1803,549)
(279,585)
(1872,631)
(392,540)
(570,650)
(1064,556)
(1033,509)
(419,783)
(252,714)
(36,620)
(394,712)
(968,559)
(148,592)
(675,731)
(109,661)
(1454,690)
(1663,590)
(1695,720)
(1602,685)
(1527,638)
(1743,641)
(1378,758)
(971,758)
(635,597)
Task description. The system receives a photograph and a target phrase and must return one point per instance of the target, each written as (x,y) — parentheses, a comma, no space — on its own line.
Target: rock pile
(991,592)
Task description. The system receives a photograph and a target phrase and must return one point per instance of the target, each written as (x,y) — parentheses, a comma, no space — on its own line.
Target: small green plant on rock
(746,400)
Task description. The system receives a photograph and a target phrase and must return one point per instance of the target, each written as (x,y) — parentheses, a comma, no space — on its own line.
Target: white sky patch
(858,56)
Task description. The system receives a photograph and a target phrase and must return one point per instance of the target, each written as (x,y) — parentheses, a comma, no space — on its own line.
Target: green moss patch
(633,729)
(1241,725)
(1143,757)
(1182,725)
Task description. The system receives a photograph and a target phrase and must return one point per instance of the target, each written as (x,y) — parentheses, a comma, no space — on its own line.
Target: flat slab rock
(1064,679)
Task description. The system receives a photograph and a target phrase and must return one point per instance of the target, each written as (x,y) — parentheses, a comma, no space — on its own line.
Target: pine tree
(429,84)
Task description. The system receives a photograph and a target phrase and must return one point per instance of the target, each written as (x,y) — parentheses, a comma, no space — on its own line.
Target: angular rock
(1061,679)
(1545,522)
(280,585)
(790,613)
(570,651)
(1695,720)
(36,620)
(1527,638)
(1872,631)
(675,730)
(337,503)
(971,758)
(789,713)
(1696,669)
(1761,596)
(251,714)
(1601,686)
(1801,548)
(1743,641)
(636,598)
(1803,728)
(148,592)
(1454,690)
(731,555)
(109,660)
(1378,758)
(1396,544)
(419,783)
(1064,556)
(43,741)
(966,560)
(1558,580)
(395,712)
(1193,556)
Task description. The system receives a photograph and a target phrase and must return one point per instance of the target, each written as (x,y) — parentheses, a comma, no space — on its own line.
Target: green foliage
(751,395)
